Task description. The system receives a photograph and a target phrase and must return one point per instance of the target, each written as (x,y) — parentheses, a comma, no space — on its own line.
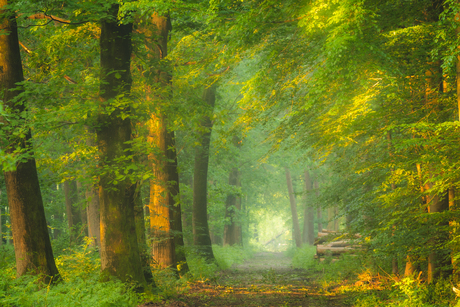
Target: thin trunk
(437,203)
(453,228)
(141,234)
(436,258)
(93,214)
(308,234)
(201,237)
(32,243)
(231,230)
(120,255)
(319,214)
(82,207)
(295,218)
(187,204)
(1,227)
(394,261)
(73,212)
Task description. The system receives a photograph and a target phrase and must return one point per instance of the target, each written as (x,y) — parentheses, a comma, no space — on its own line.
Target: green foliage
(411,292)
(81,285)
(304,257)
(228,255)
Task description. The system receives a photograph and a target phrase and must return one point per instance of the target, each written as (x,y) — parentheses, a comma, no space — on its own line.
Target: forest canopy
(162,128)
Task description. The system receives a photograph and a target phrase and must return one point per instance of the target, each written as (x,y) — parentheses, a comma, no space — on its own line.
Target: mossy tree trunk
(32,243)
(119,246)
(201,237)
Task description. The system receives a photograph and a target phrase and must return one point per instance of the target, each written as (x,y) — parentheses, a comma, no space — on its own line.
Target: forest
(149,148)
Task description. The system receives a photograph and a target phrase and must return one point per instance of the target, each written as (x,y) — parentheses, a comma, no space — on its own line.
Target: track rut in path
(267,279)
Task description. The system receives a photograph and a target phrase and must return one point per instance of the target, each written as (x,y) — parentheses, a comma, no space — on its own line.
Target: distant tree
(201,237)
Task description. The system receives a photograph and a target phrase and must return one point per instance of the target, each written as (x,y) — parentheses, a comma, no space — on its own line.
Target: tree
(201,238)
(73,212)
(232,230)
(119,246)
(295,217)
(308,233)
(30,232)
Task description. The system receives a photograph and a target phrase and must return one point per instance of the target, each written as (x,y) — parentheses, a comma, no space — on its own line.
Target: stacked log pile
(330,243)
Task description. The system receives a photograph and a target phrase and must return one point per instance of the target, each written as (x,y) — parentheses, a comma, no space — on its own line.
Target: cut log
(324,250)
(341,243)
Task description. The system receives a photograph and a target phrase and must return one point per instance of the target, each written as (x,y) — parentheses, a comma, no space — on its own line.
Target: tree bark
(73,211)
(319,214)
(308,233)
(201,237)
(231,229)
(93,214)
(32,243)
(81,192)
(295,218)
(1,226)
(165,211)
(119,246)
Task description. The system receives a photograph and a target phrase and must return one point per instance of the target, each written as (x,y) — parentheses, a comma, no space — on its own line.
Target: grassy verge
(81,286)
(367,285)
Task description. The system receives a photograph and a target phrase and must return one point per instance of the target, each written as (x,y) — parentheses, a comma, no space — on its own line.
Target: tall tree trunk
(308,234)
(437,203)
(201,237)
(141,234)
(164,210)
(1,226)
(73,212)
(119,248)
(32,243)
(93,214)
(437,257)
(81,192)
(319,214)
(231,229)
(295,218)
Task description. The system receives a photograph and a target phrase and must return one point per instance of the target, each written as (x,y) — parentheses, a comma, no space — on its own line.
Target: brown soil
(265,280)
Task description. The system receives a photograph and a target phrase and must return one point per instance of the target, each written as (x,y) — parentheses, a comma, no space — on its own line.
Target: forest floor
(267,279)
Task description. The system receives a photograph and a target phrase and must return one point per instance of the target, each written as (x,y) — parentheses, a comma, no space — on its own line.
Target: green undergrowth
(82,286)
(367,285)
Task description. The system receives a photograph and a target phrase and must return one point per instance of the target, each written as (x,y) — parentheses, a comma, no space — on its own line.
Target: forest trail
(267,279)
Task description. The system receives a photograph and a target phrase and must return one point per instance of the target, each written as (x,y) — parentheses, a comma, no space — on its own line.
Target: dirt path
(265,280)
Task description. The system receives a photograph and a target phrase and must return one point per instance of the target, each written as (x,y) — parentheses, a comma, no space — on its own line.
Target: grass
(367,285)
(82,286)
